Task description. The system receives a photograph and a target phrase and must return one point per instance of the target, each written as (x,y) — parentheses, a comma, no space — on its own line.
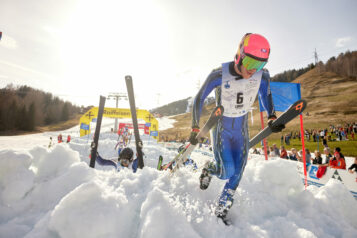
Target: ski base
(211,122)
(293,111)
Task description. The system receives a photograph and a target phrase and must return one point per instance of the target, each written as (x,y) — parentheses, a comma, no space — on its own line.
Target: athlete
(120,146)
(237,84)
(125,160)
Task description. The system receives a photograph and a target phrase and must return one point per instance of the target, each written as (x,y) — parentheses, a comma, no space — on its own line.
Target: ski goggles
(124,162)
(250,63)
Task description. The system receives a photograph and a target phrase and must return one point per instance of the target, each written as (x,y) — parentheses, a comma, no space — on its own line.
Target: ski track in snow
(53,193)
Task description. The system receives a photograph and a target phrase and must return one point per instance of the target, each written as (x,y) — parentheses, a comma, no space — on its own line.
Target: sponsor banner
(154,133)
(84,127)
(348,179)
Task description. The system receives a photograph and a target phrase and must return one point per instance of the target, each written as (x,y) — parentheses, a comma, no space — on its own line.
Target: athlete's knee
(228,172)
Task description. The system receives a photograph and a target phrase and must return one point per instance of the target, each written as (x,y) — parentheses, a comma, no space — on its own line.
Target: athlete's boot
(224,204)
(206,176)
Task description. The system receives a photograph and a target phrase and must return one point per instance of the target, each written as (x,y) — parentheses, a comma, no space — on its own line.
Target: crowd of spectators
(335,161)
(333,133)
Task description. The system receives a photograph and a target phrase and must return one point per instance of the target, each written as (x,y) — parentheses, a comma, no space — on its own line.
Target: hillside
(178,107)
(331,100)
(173,108)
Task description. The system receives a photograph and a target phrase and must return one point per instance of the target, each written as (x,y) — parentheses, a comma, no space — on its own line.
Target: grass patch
(348,147)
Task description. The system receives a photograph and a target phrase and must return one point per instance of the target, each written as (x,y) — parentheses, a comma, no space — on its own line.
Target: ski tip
(218,111)
(300,105)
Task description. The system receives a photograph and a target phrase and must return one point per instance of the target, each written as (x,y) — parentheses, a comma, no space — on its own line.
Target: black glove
(193,140)
(275,127)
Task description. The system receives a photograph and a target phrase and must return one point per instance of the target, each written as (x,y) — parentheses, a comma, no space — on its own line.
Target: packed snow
(52,192)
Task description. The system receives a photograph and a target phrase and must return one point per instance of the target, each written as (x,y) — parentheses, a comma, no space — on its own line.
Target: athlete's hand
(273,127)
(193,140)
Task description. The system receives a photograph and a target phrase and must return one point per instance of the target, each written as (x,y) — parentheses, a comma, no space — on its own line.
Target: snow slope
(53,193)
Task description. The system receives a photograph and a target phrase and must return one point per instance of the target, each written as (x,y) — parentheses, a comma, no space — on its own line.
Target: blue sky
(80,49)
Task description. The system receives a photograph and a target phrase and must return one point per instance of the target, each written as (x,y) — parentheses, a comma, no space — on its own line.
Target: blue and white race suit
(230,138)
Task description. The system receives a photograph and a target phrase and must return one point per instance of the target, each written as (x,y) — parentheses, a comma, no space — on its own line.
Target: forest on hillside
(24,108)
(344,65)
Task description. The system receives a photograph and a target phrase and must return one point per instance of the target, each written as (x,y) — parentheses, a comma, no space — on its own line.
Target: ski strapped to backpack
(211,122)
(293,111)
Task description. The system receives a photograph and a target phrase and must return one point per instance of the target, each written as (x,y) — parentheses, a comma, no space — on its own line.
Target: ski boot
(206,176)
(224,204)
(221,213)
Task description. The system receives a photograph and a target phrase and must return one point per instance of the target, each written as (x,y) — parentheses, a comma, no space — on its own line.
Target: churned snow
(52,192)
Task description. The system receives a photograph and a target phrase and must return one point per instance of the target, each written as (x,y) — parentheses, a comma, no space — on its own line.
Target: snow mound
(52,192)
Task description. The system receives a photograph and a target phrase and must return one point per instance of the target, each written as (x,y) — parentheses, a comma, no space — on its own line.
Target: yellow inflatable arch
(85,120)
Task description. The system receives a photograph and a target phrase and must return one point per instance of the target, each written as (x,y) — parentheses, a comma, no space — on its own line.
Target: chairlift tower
(117,97)
(316,57)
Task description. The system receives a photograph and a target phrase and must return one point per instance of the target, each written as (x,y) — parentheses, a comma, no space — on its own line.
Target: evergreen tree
(21,116)
(65,112)
(31,117)
(11,116)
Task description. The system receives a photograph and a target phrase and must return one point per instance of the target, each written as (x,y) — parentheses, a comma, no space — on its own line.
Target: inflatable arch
(91,115)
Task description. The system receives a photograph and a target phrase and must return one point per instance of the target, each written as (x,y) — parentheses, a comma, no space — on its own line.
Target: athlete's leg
(223,167)
(240,145)
(222,148)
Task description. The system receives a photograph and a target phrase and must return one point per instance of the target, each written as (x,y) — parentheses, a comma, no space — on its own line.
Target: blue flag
(284,94)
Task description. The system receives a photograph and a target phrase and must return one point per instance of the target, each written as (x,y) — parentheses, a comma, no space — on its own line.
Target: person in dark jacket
(318,158)
(125,160)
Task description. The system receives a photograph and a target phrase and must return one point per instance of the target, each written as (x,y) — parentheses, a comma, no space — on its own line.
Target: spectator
(276,150)
(287,139)
(318,158)
(338,149)
(255,151)
(338,162)
(272,152)
(324,141)
(307,156)
(353,166)
(328,156)
(120,146)
(283,152)
(51,142)
(293,155)
(59,138)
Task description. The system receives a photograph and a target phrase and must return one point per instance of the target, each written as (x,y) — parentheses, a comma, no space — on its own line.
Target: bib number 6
(239,98)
